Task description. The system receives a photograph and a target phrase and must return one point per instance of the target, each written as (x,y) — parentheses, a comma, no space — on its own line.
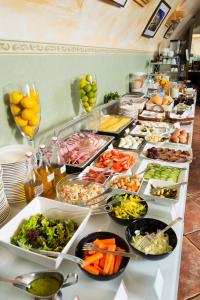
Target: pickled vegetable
(163,192)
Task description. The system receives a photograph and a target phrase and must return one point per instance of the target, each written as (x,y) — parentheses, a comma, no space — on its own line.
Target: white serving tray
(150,106)
(122,190)
(162,200)
(145,162)
(137,130)
(177,147)
(44,206)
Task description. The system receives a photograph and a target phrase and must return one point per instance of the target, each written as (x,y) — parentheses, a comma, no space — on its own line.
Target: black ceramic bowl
(125,222)
(120,242)
(150,225)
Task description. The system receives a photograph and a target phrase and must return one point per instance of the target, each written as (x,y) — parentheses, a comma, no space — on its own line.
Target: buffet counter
(144,279)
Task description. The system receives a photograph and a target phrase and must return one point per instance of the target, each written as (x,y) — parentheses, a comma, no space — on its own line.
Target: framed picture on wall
(120,2)
(171,29)
(156,19)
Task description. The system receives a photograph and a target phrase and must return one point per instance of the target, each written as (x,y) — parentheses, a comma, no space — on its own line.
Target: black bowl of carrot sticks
(103,266)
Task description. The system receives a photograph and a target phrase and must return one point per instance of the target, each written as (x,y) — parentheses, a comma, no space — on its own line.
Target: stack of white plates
(12,159)
(4,206)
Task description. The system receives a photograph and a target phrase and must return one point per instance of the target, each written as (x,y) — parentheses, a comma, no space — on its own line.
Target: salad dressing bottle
(56,161)
(46,174)
(33,185)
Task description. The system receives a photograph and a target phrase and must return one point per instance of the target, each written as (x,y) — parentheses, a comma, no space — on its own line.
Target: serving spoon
(15,281)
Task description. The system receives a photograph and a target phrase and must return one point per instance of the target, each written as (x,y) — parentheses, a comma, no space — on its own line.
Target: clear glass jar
(136,81)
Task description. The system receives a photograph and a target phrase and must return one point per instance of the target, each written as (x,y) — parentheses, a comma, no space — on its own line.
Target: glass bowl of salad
(157,249)
(127,208)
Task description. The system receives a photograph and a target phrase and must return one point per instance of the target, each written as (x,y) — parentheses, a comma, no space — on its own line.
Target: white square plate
(50,208)
(162,200)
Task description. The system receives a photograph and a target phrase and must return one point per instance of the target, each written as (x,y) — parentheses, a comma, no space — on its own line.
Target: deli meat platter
(80,149)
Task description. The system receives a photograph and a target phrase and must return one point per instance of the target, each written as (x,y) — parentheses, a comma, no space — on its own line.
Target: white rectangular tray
(177,147)
(162,200)
(145,162)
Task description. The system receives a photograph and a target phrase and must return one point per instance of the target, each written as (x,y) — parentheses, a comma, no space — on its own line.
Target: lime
(86,105)
(82,92)
(87,88)
(91,94)
(83,82)
(85,98)
(94,86)
(88,109)
(91,101)
(89,78)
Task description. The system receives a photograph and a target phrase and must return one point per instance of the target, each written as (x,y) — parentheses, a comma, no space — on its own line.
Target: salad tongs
(54,254)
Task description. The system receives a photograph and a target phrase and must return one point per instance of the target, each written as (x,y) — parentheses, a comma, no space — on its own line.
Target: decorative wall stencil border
(26,47)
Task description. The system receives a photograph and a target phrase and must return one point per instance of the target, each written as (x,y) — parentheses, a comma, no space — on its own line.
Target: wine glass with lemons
(25,108)
(88,91)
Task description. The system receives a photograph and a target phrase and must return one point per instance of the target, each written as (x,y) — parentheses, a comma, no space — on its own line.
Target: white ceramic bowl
(50,208)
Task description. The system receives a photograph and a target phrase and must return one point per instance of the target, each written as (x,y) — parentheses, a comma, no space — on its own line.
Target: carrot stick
(96,262)
(91,252)
(109,259)
(89,260)
(90,269)
(100,245)
(120,249)
(105,241)
(101,271)
(102,262)
(118,261)
(111,271)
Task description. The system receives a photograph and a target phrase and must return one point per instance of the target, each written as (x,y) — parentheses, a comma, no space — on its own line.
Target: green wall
(53,75)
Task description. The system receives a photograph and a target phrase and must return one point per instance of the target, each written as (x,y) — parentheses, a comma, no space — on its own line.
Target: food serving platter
(189,137)
(51,209)
(171,147)
(116,143)
(152,116)
(153,124)
(163,200)
(124,190)
(131,153)
(145,163)
(141,130)
(121,130)
(80,167)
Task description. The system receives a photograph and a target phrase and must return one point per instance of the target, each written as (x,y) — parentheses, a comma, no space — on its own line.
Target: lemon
(34,94)
(27,114)
(36,109)
(15,109)
(82,82)
(35,121)
(15,97)
(28,102)
(87,88)
(20,122)
(28,130)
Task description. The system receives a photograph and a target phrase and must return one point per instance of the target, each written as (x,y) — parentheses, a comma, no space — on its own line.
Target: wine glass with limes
(88,91)
(25,108)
